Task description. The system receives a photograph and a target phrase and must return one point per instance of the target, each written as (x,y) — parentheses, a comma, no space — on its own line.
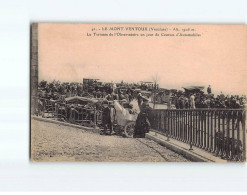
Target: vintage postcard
(138,92)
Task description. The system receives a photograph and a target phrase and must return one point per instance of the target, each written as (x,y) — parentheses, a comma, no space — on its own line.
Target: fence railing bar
(208,130)
(219,131)
(214,130)
(244,134)
(211,128)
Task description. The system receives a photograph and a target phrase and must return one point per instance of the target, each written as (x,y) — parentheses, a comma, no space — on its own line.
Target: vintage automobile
(193,89)
(80,100)
(78,110)
(147,86)
(161,96)
(124,118)
(45,107)
(143,92)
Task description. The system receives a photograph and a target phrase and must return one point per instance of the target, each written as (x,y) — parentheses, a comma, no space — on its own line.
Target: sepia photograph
(138,92)
(123,96)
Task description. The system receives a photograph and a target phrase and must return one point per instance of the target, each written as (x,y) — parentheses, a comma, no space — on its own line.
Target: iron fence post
(190,129)
(168,129)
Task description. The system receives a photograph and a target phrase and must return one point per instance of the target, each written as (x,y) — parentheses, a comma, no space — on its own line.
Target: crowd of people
(109,91)
(128,91)
(55,89)
(186,100)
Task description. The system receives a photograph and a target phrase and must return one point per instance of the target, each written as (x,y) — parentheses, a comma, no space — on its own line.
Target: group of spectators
(186,100)
(54,90)
(111,91)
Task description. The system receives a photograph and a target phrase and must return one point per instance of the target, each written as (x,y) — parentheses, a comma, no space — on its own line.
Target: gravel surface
(53,142)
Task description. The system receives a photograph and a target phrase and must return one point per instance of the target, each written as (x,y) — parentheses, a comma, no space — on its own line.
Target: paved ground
(53,142)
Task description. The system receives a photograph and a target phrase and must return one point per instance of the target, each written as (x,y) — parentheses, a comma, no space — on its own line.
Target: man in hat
(209,89)
(139,99)
(181,102)
(106,118)
(109,97)
(192,101)
(94,93)
(112,115)
(98,94)
(144,104)
(126,96)
(115,96)
(121,96)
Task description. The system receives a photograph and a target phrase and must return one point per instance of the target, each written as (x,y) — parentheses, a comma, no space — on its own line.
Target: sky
(218,57)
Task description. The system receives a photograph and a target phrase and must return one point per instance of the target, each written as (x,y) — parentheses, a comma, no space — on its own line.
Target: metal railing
(219,131)
(67,112)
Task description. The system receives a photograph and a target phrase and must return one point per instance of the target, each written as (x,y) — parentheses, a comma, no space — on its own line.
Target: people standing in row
(184,102)
(181,100)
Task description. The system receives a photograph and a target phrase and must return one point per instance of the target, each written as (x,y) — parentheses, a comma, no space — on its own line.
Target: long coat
(142,123)
(106,115)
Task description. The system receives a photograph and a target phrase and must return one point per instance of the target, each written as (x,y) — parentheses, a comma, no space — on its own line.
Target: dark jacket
(106,115)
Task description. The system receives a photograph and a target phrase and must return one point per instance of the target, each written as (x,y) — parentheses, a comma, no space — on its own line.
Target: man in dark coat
(209,89)
(98,94)
(94,93)
(139,99)
(106,118)
(181,102)
(176,101)
(142,123)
